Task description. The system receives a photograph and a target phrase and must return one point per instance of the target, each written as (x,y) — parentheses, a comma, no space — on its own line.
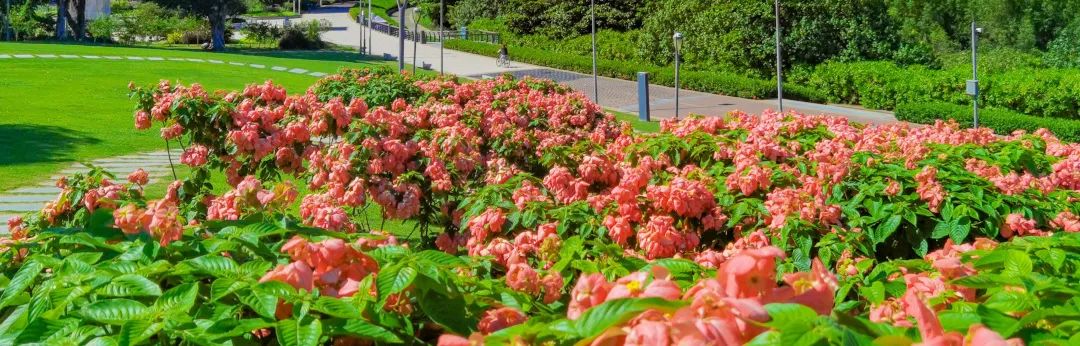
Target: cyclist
(504,56)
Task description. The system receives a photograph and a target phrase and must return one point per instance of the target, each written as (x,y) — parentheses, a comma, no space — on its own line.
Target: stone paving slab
(236,63)
(136,58)
(215,61)
(91,56)
(5,56)
(195,60)
(47,56)
(279,68)
(155,58)
(298,70)
(20,207)
(257,65)
(177,59)
(40,199)
(24,56)
(317,74)
(69,56)
(37,190)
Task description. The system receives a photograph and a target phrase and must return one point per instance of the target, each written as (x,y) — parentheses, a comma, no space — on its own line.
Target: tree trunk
(217,27)
(76,18)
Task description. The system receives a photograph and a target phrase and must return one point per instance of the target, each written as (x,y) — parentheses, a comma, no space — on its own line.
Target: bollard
(643,95)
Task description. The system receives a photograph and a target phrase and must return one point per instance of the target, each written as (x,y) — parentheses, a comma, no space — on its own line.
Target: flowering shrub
(543,220)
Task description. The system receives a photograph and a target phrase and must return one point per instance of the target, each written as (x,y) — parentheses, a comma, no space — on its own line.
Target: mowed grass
(54,110)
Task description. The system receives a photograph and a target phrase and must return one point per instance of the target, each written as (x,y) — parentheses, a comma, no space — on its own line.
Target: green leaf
(886,229)
(130,285)
(135,331)
(794,321)
(1017,264)
(599,318)
(361,328)
(227,328)
(115,311)
(449,312)
(22,279)
(224,286)
(336,307)
(394,279)
(440,258)
(263,303)
(217,266)
(291,332)
(178,299)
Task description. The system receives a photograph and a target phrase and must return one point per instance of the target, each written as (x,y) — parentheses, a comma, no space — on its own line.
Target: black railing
(434,36)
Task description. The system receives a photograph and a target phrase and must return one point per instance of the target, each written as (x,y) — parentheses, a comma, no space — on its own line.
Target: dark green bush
(884,85)
(705,81)
(1002,121)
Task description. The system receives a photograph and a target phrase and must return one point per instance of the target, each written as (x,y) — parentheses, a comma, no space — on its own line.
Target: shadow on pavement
(23,144)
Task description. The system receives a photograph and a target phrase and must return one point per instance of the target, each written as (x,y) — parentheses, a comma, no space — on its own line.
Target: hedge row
(1002,121)
(884,85)
(704,81)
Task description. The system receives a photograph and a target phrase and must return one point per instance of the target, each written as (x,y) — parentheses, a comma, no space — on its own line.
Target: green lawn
(55,111)
(381,8)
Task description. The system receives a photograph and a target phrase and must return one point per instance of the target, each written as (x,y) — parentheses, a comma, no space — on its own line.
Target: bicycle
(503,61)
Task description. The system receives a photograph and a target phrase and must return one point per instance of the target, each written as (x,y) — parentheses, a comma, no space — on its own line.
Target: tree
(76,17)
(216,11)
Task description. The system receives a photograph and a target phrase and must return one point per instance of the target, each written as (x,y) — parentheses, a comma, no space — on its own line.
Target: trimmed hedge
(1001,121)
(884,85)
(705,81)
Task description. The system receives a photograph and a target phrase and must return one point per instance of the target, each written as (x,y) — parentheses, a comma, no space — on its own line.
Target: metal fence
(426,36)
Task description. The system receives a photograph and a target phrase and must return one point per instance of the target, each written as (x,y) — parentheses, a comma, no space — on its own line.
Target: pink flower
(142,120)
(649,333)
(500,318)
(522,278)
(1066,221)
(195,156)
(552,284)
(929,189)
(139,177)
(590,291)
(1016,224)
(893,188)
(750,273)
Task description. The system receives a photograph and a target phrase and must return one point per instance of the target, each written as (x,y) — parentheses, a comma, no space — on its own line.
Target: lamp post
(442,32)
(401,34)
(678,48)
(779,63)
(973,84)
(370,28)
(595,79)
(363,46)
(415,39)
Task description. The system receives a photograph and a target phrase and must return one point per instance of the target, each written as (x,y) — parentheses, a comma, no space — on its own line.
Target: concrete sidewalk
(615,94)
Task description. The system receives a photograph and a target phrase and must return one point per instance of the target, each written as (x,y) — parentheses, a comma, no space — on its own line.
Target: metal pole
(677,58)
(415,40)
(779,63)
(975,74)
(7,19)
(442,31)
(363,47)
(595,78)
(401,34)
(370,28)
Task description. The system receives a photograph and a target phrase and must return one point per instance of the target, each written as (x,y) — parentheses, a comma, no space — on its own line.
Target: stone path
(4,56)
(31,198)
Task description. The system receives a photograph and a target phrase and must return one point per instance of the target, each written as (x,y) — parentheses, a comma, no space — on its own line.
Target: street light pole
(595,78)
(370,28)
(363,41)
(779,63)
(401,34)
(415,40)
(442,38)
(973,84)
(678,52)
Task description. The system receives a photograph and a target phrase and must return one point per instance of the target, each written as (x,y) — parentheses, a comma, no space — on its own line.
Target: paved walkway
(614,93)
(31,198)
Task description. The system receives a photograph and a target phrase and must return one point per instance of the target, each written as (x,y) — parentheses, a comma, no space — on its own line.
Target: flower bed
(540,219)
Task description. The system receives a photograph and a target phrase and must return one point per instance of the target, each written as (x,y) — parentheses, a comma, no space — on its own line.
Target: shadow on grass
(334,55)
(23,144)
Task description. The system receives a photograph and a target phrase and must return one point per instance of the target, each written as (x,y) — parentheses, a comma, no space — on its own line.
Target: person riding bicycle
(504,55)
